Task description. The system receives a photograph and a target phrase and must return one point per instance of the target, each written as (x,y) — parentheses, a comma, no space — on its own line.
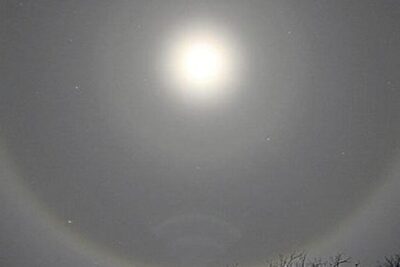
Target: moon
(200,66)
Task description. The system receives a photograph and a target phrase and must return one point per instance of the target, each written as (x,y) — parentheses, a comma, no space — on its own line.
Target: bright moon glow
(201,63)
(201,66)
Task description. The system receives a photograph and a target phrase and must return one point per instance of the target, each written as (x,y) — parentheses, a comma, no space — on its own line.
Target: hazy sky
(104,163)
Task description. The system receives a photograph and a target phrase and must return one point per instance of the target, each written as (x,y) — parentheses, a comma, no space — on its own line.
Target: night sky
(106,160)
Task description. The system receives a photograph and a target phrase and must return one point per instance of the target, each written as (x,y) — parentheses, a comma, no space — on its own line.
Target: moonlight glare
(201,67)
